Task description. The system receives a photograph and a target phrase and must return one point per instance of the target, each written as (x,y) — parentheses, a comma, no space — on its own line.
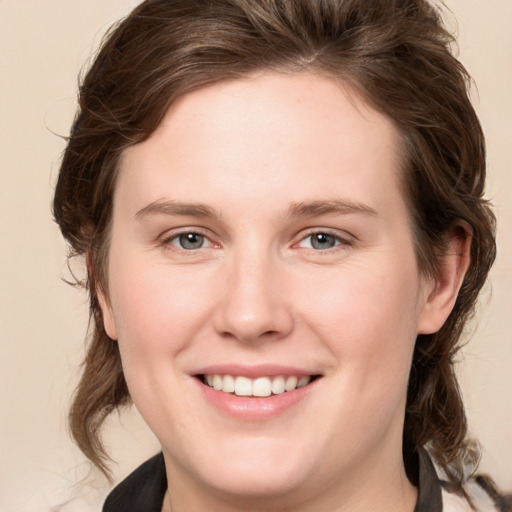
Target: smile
(258,387)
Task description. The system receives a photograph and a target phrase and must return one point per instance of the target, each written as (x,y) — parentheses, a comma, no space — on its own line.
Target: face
(263,287)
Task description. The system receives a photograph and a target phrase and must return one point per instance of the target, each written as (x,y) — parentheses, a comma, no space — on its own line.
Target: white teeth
(217,382)
(291,383)
(303,381)
(261,386)
(278,385)
(243,386)
(228,384)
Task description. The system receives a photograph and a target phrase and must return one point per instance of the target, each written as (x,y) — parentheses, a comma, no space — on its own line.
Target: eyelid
(168,236)
(344,238)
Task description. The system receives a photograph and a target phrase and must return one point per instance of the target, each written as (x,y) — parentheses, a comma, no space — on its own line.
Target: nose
(254,304)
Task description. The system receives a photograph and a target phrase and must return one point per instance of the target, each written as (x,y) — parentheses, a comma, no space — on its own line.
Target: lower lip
(255,408)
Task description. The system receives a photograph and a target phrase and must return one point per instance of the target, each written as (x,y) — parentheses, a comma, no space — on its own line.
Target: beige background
(43,45)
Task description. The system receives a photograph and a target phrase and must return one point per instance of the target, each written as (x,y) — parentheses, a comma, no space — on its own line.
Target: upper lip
(254,371)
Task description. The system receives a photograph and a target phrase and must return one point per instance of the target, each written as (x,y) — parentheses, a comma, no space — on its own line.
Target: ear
(445,286)
(107,314)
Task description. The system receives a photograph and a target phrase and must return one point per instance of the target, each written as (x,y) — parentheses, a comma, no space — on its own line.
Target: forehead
(271,135)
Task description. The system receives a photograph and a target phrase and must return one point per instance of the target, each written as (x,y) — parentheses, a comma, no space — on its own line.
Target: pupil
(191,241)
(323,241)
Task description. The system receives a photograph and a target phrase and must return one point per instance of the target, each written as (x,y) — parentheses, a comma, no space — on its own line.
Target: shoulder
(479,493)
(477,499)
(141,491)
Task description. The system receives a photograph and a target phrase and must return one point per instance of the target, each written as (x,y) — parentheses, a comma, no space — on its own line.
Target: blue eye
(189,241)
(320,241)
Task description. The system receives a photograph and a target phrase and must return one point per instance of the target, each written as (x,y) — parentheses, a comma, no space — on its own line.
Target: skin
(262,154)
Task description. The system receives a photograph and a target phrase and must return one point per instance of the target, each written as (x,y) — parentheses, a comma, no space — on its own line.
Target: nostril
(252,313)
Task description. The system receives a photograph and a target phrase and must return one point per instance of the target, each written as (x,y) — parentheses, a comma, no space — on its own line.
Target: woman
(281,207)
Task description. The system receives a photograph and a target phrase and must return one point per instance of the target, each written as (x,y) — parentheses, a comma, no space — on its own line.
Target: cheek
(158,314)
(367,316)
(157,311)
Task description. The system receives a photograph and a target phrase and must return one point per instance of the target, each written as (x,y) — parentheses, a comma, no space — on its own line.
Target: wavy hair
(395,53)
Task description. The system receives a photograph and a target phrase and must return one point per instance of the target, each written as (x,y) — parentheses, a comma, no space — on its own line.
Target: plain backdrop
(43,46)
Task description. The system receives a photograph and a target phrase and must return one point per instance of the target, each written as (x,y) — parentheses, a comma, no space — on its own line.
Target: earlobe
(446,285)
(109,322)
(107,314)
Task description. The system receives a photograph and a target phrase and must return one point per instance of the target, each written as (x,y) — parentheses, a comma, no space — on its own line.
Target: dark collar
(429,487)
(144,489)
(141,491)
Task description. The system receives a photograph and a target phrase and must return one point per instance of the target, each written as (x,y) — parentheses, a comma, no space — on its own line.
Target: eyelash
(169,239)
(344,242)
(341,242)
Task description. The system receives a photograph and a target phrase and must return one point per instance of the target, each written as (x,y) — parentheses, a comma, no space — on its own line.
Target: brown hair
(394,52)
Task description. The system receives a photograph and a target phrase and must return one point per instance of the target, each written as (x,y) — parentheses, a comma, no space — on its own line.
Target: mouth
(260,387)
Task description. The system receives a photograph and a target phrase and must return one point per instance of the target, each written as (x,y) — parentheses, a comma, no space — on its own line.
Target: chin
(258,481)
(257,468)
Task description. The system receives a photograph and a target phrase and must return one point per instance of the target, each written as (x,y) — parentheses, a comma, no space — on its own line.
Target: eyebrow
(177,208)
(296,209)
(331,206)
